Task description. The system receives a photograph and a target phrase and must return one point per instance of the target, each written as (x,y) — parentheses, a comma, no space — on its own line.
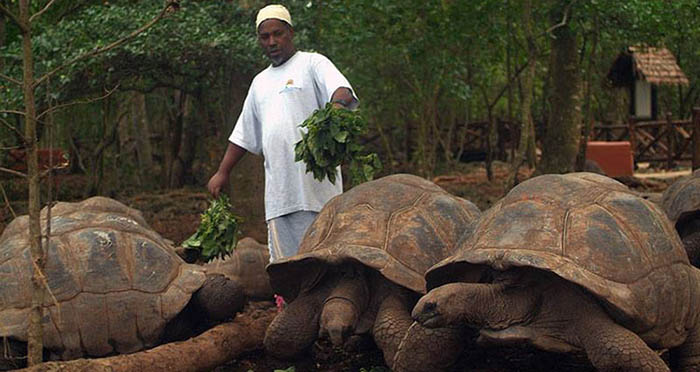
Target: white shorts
(284,233)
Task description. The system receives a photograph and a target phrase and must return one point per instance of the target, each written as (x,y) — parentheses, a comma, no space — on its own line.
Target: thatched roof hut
(653,65)
(641,69)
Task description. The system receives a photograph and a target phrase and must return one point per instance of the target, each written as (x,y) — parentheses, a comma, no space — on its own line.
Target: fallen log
(212,348)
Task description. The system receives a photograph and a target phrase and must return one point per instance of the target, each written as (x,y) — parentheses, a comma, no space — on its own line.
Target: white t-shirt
(279,99)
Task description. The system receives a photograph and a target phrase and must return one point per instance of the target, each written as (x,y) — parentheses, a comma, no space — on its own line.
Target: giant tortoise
(681,201)
(246,266)
(573,262)
(360,268)
(114,284)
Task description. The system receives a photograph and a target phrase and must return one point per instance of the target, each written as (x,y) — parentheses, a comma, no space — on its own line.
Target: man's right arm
(233,154)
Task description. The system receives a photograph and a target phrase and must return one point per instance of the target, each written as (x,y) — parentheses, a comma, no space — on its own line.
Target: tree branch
(23,27)
(12,171)
(78,102)
(12,128)
(564,20)
(7,202)
(76,151)
(39,13)
(113,45)
(12,112)
(504,88)
(110,139)
(511,81)
(10,79)
(205,352)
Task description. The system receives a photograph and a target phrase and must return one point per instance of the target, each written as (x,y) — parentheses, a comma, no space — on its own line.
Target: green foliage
(290,369)
(421,62)
(218,231)
(416,65)
(423,69)
(374,369)
(184,50)
(331,139)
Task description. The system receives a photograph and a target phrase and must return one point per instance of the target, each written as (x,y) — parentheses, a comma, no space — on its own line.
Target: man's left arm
(343,98)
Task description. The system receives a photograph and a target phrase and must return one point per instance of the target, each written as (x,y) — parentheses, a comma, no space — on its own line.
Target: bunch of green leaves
(331,139)
(218,231)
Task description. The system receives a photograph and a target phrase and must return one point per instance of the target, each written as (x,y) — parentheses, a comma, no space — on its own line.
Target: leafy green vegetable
(290,369)
(218,231)
(374,369)
(330,140)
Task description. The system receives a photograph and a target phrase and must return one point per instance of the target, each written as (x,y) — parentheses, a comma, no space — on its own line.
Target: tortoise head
(219,298)
(345,304)
(499,300)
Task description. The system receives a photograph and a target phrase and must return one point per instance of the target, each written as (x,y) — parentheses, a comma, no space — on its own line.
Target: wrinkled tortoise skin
(114,283)
(399,225)
(592,231)
(246,265)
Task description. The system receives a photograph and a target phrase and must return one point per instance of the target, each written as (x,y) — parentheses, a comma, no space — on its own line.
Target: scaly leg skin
(407,345)
(296,327)
(391,324)
(426,349)
(611,347)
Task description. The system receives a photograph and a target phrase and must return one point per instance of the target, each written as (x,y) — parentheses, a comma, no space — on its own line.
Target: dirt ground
(177,220)
(175,215)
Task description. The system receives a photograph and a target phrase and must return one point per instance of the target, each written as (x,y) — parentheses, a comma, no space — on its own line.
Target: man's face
(275,37)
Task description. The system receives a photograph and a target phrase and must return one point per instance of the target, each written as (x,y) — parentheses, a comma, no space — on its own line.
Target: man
(279,99)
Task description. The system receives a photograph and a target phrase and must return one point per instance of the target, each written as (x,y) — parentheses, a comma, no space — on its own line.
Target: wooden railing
(663,141)
(47,158)
(13,163)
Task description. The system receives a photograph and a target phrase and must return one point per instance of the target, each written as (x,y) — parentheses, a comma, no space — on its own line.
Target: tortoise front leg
(392,322)
(428,349)
(296,327)
(611,347)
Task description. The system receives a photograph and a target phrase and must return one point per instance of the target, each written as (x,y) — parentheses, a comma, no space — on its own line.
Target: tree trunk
(526,124)
(142,130)
(560,145)
(491,139)
(3,35)
(96,158)
(173,135)
(588,103)
(202,353)
(35,337)
(182,162)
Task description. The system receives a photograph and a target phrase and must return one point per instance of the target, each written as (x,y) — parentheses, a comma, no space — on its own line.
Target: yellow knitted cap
(274,11)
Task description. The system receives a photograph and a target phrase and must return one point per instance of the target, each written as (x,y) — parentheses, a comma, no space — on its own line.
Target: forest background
(153,114)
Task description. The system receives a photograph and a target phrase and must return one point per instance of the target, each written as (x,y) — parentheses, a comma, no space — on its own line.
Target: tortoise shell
(114,283)
(682,198)
(246,265)
(593,231)
(399,225)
